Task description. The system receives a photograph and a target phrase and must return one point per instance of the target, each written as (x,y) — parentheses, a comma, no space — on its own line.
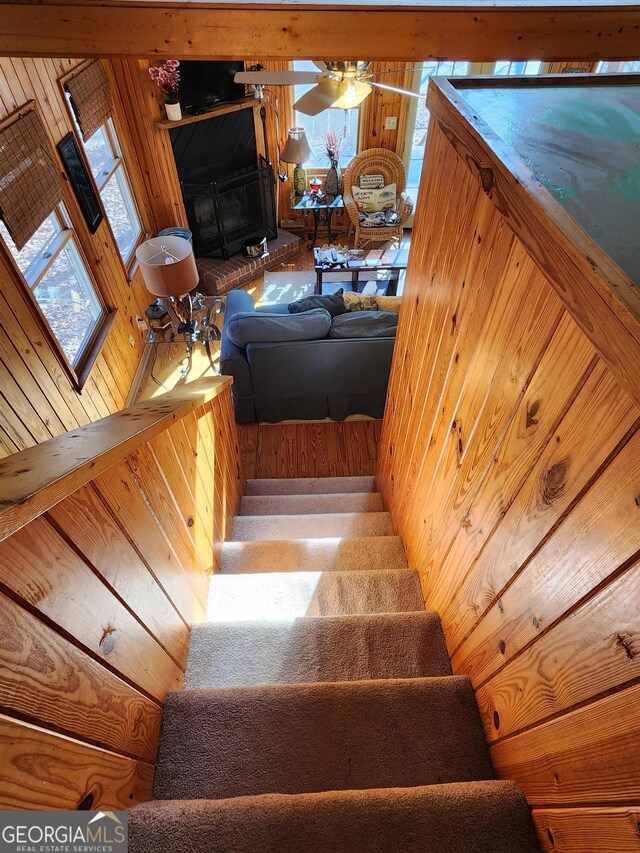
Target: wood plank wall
(142,103)
(37,398)
(96,600)
(311,449)
(510,461)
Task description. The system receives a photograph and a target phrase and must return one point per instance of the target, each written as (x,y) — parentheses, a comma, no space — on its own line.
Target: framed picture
(83,186)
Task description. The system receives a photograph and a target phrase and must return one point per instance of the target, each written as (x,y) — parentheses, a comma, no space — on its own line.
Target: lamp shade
(168,266)
(296,149)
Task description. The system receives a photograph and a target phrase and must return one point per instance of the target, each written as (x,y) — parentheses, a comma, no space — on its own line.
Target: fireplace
(224,214)
(227,187)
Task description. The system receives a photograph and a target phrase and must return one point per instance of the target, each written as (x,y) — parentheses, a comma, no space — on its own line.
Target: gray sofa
(331,377)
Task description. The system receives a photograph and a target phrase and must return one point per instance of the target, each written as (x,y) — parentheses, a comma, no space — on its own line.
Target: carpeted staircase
(320,712)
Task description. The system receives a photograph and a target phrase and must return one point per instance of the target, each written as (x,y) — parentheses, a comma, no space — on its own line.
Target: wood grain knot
(107,641)
(625,644)
(532,411)
(486,179)
(85,803)
(502,647)
(552,840)
(496,720)
(536,623)
(190,522)
(553,482)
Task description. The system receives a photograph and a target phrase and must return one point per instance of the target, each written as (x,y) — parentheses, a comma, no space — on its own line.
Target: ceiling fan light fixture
(354,94)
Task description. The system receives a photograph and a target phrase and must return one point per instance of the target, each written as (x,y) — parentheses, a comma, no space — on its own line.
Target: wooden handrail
(34,480)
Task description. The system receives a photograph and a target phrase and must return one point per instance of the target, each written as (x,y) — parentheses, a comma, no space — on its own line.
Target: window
(618,67)
(107,167)
(340,121)
(419,118)
(418,115)
(506,68)
(54,271)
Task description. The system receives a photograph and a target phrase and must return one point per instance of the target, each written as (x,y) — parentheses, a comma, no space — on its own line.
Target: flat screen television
(203,83)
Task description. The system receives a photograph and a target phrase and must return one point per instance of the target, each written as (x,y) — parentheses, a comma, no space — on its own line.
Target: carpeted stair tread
(318,737)
(292,595)
(314,555)
(311,504)
(311,486)
(463,817)
(343,524)
(334,648)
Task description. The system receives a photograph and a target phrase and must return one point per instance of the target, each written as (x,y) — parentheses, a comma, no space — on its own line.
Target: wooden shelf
(216,110)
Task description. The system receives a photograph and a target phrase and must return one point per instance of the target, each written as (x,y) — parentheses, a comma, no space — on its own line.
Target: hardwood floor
(313,449)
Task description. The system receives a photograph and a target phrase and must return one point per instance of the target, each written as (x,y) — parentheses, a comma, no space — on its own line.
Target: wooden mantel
(210,112)
(485,30)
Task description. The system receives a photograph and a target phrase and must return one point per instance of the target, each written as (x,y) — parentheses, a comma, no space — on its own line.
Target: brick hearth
(218,276)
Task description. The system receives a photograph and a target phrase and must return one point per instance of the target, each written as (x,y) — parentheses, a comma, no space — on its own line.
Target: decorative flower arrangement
(167,78)
(332,144)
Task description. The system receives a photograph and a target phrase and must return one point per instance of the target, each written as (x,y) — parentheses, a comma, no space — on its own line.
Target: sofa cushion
(365,324)
(334,304)
(370,302)
(251,327)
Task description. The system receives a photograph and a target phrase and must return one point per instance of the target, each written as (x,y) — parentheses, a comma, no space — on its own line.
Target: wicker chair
(377,161)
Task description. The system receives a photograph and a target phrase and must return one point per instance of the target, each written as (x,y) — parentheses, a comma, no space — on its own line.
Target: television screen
(204,83)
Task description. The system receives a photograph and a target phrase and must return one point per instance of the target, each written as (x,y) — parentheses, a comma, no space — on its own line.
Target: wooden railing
(108,535)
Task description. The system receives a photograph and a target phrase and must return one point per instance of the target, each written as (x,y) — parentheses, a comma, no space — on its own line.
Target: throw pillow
(253,328)
(334,304)
(371,324)
(365,302)
(373,201)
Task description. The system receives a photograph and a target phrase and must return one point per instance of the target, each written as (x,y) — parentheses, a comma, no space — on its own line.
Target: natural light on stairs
(315,697)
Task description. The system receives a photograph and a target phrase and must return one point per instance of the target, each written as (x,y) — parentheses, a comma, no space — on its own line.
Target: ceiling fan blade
(319,64)
(321,97)
(396,89)
(277,78)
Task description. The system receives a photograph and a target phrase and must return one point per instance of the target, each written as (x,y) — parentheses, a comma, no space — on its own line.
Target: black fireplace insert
(224,214)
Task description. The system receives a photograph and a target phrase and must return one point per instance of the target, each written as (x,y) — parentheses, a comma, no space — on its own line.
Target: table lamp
(169,270)
(297,151)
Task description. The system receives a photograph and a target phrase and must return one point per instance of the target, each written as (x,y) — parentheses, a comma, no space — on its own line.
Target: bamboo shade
(30,181)
(90,98)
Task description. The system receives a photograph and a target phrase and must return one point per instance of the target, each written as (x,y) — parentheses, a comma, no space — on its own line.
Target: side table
(323,209)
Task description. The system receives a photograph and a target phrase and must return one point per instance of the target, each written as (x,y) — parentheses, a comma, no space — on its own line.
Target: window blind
(90,98)
(30,180)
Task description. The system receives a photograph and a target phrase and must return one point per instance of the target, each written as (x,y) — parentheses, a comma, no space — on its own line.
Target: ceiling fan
(339,85)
